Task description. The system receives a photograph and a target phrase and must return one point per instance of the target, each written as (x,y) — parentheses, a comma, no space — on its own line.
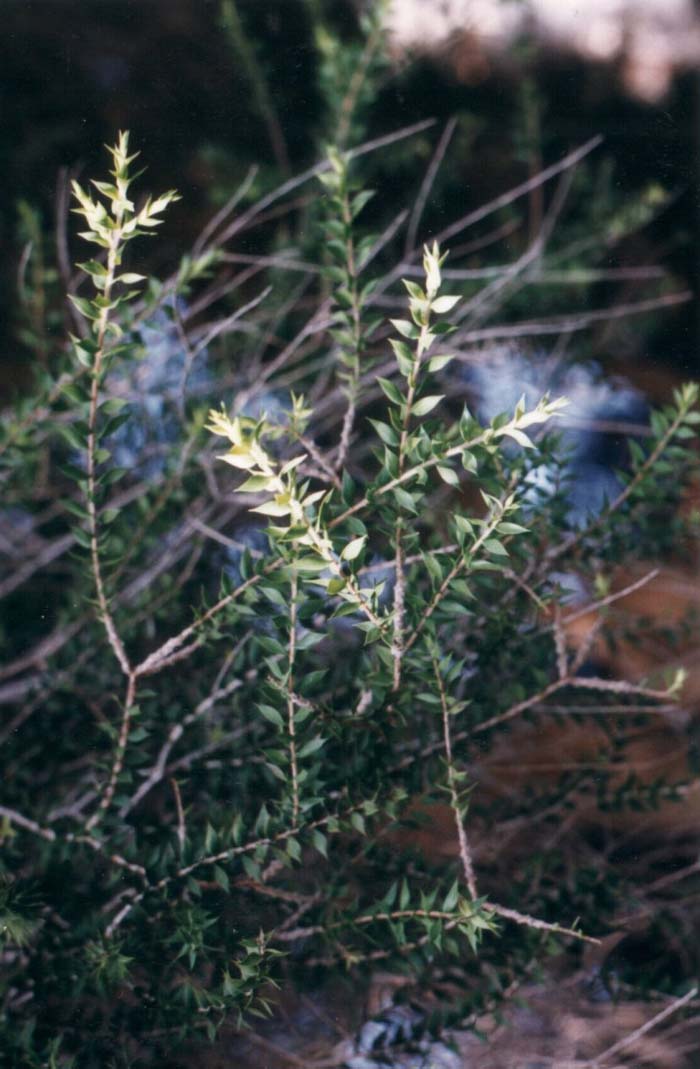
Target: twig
(427,184)
(632,1038)
(572,323)
(159,769)
(319,168)
(180,814)
(227,209)
(464,850)
(560,645)
(527,921)
(495,205)
(113,254)
(458,567)
(349,101)
(278,1052)
(119,755)
(291,728)
(156,660)
(29,825)
(397,644)
(610,599)
(232,22)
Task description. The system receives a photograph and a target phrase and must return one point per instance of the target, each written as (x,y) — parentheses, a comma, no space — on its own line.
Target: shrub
(245,685)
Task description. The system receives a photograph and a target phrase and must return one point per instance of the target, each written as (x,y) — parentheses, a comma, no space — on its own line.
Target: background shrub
(276,602)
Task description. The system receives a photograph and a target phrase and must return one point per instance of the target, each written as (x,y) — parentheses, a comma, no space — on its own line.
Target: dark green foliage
(231,688)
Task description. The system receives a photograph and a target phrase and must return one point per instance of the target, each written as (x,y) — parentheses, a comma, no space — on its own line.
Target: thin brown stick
(256,210)
(118,762)
(21,821)
(160,767)
(560,645)
(180,813)
(291,727)
(610,599)
(228,208)
(464,850)
(495,205)
(427,184)
(349,101)
(633,1037)
(570,323)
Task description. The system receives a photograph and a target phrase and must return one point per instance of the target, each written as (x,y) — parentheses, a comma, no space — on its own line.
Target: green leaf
(85,307)
(276,771)
(78,510)
(271,714)
(441,305)
(271,508)
(221,878)
(293,849)
(71,435)
(81,537)
(310,565)
(83,356)
(311,747)
(427,404)
(492,545)
(93,267)
(320,841)
(390,390)
(387,434)
(451,898)
(254,484)
(274,595)
(404,356)
(414,289)
(404,499)
(518,436)
(359,201)
(358,823)
(437,363)
(452,607)
(113,405)
(354,548)
(405,328)
(448,475)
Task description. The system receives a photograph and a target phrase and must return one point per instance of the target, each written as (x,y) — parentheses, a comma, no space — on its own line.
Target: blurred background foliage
(215,87)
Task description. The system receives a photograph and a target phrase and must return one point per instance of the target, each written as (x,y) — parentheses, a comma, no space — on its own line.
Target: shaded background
(171,71)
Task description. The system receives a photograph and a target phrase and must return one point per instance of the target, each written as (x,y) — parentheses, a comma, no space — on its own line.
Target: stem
(347,107)
(118,763)
(460,566)
(397,649)
(180,814)
(291,654)
(602,517)
(354,355)
(464,850)
(232,21)
(410,473)
(112,634)
(321,545)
